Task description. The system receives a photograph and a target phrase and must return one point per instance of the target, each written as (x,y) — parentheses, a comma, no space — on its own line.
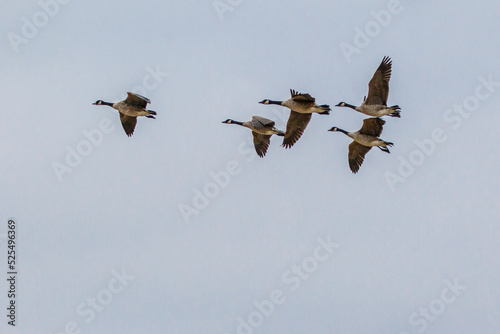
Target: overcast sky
(182,228)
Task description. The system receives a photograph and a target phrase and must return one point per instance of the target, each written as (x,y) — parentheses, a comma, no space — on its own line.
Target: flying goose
(130,108)
(378,92)
(364,140)
(302,107)
(262,130)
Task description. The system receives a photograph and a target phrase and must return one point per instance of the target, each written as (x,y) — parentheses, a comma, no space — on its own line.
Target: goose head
(341,104)
(266,101)
(228,121)
(98,102)
(334,129)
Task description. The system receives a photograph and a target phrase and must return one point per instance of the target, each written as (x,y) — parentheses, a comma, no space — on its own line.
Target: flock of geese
(302,107)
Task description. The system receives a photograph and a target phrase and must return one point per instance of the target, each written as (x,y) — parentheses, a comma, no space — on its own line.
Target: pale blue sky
(399,248)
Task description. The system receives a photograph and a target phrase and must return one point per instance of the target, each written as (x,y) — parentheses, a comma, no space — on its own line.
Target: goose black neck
(341,130)
(107,104)
(275,102)
(350,106)
(236,122)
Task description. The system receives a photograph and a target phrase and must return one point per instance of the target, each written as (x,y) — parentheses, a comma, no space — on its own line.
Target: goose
(378,92)
(262,130)
(302,106)
(364,140)
(130,108)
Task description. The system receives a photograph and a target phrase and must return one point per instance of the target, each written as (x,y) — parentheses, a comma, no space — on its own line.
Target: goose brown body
(302,107)
(364,139)
(130,108)
(378,92)
(262,130)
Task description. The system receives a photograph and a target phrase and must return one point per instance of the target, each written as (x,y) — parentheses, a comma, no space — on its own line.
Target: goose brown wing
(261,143)
(259,122)
(305,99)
(378,88)
(128,123)
(356,156)
(372,126)
(295,127)
(137,100)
